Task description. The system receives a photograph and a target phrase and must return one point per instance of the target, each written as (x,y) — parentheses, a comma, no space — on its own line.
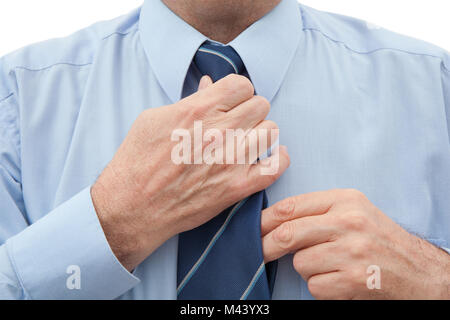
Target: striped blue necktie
(223,258)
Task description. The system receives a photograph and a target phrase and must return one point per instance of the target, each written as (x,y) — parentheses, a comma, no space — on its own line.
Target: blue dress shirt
(358,107)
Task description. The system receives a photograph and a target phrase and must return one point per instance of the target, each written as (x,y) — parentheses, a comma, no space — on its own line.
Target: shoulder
(77,50)
(362,37)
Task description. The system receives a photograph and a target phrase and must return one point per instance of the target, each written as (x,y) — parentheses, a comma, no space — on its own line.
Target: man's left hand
(337,235)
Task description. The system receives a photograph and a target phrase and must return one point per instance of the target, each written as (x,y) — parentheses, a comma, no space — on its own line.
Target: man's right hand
(143,198)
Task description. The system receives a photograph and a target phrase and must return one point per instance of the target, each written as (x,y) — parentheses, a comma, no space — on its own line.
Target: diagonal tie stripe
(218,61)
(228,266)
(223,258)
(209,51)
(255,279)
(209,247)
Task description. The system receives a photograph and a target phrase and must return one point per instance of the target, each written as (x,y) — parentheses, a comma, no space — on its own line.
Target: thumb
(205,82)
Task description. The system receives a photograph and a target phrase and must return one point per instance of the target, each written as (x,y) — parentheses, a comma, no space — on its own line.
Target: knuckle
(284,235)
(274,177)
(297,261)
(262,104)
(241,84)
(267,179)
(144,116)
(197,111)
(239,185)
(354,195)
(359,249)
(271,125)
(354,278)
(271,178)
(315,288)
(244,85)
(232,78)
(354,221)
(285,209)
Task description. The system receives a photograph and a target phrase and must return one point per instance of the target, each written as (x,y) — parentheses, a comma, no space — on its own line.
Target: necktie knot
(218,61)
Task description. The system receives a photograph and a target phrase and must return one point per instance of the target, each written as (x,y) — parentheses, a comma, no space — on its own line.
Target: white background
(26,21)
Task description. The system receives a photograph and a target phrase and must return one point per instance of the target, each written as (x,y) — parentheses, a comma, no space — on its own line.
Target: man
(88,188)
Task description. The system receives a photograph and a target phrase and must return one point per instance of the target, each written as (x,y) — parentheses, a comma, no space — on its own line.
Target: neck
(221,20)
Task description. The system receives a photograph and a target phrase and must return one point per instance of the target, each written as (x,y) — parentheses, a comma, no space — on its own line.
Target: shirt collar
(267,47)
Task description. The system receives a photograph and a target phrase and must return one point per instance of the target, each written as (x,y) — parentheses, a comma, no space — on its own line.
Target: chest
(343,130)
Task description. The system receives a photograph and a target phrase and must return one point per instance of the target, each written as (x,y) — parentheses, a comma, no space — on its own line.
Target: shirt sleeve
(64,255)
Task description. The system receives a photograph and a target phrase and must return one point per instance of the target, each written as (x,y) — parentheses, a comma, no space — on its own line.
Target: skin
(221,20)
(336,235)
(143,199)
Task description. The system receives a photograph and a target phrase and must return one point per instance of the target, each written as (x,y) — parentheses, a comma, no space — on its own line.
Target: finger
(223,95)
(250,113)
(205,82)
(295,235)
(264,173)
(234,90)
(329,286)
(310,204)
(260,139)
(318,259)
(246,146)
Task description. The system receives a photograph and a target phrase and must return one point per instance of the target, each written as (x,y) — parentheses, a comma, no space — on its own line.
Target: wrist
(129,236)
(445,276)
(118,240)
(437,263)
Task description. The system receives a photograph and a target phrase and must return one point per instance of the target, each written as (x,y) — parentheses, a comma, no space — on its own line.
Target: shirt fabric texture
(358,107)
